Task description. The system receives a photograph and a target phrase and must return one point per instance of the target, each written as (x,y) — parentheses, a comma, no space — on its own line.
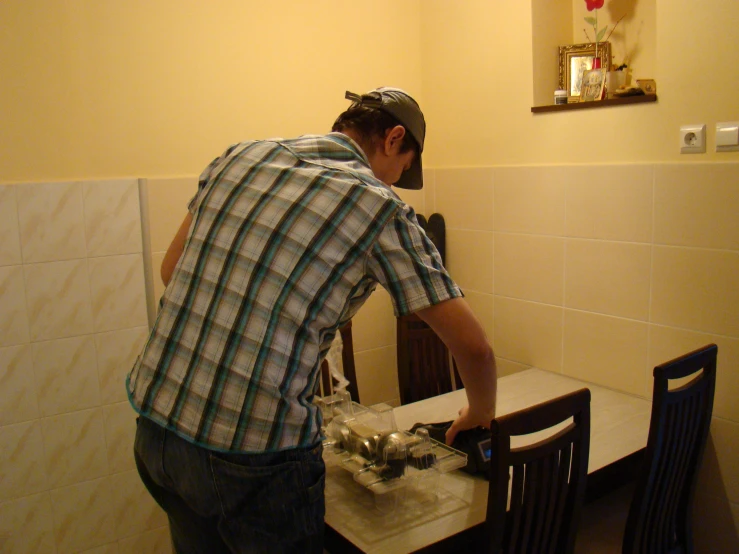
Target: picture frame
(575,59)
(593,81)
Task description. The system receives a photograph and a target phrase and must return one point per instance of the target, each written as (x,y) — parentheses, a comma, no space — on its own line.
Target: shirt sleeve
(407,264)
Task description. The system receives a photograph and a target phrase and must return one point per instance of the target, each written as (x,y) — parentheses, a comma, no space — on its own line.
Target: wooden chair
(547,479)
(424,366)
(659,519)
(347,360)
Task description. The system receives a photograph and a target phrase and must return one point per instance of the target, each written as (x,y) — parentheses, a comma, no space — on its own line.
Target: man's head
(390,128)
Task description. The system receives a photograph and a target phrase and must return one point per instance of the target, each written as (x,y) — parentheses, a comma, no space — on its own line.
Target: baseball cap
(406,110)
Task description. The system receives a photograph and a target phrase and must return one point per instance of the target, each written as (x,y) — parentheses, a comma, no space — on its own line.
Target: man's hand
(466,421)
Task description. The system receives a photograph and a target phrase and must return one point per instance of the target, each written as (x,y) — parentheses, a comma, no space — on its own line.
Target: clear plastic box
(397,466)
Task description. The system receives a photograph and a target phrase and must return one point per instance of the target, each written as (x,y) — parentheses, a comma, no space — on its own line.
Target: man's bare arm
(456,325)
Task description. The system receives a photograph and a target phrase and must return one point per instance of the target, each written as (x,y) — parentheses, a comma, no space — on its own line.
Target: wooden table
(619,429)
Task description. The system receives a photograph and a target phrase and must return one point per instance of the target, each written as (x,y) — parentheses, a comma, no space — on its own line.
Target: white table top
(619,427)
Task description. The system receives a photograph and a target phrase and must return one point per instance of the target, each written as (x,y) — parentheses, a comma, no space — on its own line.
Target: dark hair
(370,123)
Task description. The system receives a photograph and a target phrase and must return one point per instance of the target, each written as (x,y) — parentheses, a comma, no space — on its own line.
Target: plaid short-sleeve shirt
(288,240)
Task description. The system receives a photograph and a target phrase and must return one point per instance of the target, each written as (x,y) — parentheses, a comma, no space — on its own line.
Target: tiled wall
(601,273)
(72,319)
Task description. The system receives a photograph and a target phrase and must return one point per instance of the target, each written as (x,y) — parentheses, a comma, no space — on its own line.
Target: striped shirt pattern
(289,238)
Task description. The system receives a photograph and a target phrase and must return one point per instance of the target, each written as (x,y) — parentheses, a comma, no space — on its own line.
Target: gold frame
(578,58)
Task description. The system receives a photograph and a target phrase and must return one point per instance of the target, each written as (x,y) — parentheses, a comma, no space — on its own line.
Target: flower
(595,5)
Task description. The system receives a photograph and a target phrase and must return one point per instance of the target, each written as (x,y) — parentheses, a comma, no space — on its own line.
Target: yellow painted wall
(477,83)
(151,88)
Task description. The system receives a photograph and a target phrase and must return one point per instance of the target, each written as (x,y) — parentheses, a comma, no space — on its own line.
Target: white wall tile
(414,198)
(118,292)
(528,333)
(10,245)
(531,199)
(14,327)
(529,267)
(377,375)
(51,221)
(27,525)
(74,445)
(58,296)
(607,350)
(720,464)
(112,217)
(715,524)
(469,259)
(608,277)
(116,353)
(167,200)
(374,326)
(696,289)
(697,205)
(66,375)
(53,429)
(22,467)
(429,191)
(84,515)
(18,400)
(612,202)
(465,197)
(120,431)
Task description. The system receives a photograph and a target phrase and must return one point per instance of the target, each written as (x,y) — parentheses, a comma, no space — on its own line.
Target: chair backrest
(423,361)
(547,478)
(659,519)
(347,361)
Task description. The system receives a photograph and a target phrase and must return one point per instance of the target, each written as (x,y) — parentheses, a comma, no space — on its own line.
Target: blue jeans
(231,502)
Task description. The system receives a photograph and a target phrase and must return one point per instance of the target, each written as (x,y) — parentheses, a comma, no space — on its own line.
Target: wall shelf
(608,102)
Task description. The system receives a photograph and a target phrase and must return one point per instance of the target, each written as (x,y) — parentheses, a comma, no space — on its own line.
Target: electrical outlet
(693,139)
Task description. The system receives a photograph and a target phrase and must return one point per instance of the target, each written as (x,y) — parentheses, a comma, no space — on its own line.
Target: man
(283,242)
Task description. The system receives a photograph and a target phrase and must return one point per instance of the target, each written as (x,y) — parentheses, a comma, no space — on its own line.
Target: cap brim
(412,178)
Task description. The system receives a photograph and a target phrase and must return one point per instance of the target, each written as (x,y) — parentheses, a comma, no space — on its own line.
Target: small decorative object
(628,91)
(649,86)
(593,83)
(616,78)
(560,96)
(575,59)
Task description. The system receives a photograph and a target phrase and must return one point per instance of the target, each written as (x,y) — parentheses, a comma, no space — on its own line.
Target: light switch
(727,136)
